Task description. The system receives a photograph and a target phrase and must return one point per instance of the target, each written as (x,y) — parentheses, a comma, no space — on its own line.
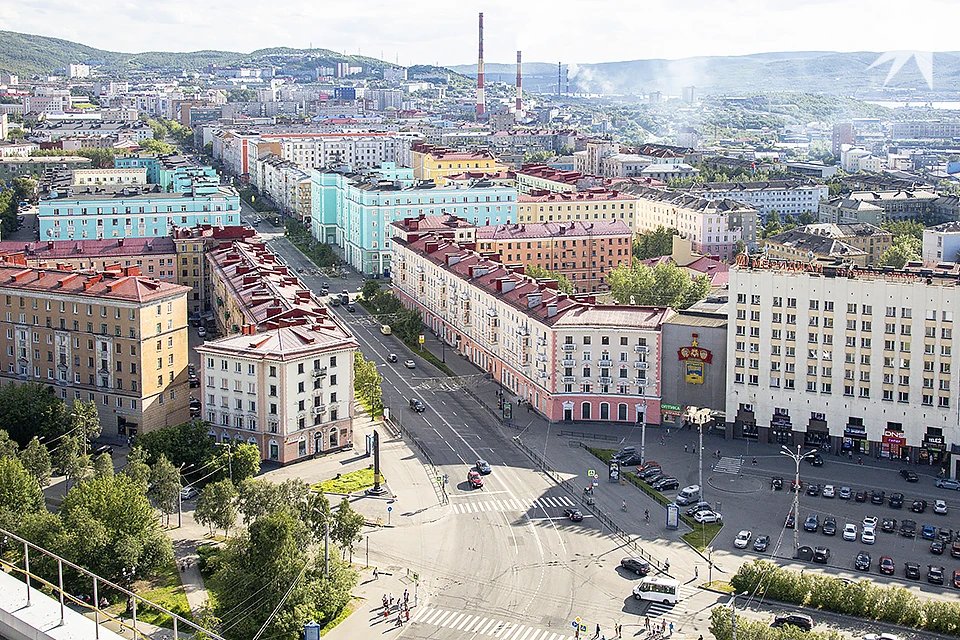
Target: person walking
(671,629)
(684,448)
(406,596)
(696,572)
(597,634)
(646,623)
(376,574)
(391,600)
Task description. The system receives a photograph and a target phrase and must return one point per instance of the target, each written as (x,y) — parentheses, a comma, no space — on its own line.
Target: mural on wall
(695,359)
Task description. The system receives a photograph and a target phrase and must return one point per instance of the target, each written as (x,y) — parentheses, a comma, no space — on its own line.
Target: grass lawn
(702,535)
(720,585)
(165,590)
(348,482)
(347,610)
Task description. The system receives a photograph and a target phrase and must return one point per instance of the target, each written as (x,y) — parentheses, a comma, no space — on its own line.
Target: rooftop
(815,244)
(446,153)
(589,195)
(687,201)
(768,185)
(107,248)
(858,229)
(553,230)
(285,343)
(123,284)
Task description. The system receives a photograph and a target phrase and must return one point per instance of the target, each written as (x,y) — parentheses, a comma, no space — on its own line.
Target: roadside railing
(590,436)
(597,512)
(437,479)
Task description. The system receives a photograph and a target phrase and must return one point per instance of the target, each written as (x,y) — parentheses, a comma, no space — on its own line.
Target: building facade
(941,243)
(786,197)
(431,162)
(857,360)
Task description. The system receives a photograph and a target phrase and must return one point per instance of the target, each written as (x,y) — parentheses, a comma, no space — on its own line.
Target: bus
(657,590)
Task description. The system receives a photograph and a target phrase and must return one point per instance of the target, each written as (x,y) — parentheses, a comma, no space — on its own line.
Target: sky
(444,32)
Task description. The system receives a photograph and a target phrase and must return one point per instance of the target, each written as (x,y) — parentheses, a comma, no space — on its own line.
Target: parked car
(896,500)
(813,490)
(870,521)
(574,514)
(626,452)
(483,467)
(706,517)
(761,543)
(849,532)
(828,491)
(812,523)
(104,448)
(666,484)
(863,561)
(417,405)
(908,528)
(743,539)
(776,483)
(474,479)
(956,578)
(868,535)
(878,497)
(829,526)
(844,493)
(955,549)
(861,496)
(945,535)
(790,522)
(800,620)
(637,565)
(911,570)
(650,472)
(888,525)
(934,574)
(201,331)
(928,532)
(918,506)
(189,493)
(909,476)
(886,565)
(821,555)
(796,485)
(948,483)
(700,506)
(940,507)
(936,548)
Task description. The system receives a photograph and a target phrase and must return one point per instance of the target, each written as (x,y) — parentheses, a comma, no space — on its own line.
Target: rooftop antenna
(481,102)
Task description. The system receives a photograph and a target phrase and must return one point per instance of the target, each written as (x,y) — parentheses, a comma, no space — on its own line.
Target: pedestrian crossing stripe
(728,464)
(509,504)
(484,626)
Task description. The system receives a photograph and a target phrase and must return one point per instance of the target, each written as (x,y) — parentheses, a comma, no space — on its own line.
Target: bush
(209,560)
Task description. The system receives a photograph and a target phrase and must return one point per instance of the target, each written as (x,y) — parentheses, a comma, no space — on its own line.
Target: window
(906,312)
(887,395)
(851,308)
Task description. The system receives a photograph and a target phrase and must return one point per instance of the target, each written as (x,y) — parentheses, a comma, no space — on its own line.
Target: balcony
(568,379)
(641,349)
(569,347)
(568,363)
(319,373)
(606,380)
(642,365)
(605,363)
(319,410)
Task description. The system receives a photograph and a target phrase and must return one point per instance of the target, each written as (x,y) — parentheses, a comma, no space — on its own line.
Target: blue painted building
(174,173)
(133,212)
(354,211)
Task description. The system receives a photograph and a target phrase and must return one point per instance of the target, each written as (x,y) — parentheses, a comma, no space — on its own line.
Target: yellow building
(113,337)
(432,163)
(591,204)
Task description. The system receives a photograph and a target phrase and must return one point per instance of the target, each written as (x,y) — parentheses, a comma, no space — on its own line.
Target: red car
(956,578)
(795,485)
(886,565)
(474,479)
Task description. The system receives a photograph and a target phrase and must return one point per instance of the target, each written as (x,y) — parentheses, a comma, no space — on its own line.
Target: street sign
(439,479)
(416,576)
(422,338)
(389,509)
(577,619)
(591,473)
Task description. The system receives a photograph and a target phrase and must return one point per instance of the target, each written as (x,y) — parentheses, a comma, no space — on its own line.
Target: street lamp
(796,457)
(643,433)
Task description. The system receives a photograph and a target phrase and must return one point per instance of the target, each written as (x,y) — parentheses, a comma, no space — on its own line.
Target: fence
(590,436)
(596,511)
(438,481)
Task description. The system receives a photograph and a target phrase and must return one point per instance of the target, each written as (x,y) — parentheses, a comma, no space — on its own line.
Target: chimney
(519,107)
(481,104)
(119,242)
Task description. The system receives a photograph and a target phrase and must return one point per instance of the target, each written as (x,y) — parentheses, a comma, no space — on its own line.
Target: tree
(85,422)
(137,468)
(103,465)
(903,250)
(665,285)
(24,189)
(36,460)
(157,146)
(8,448)
(563,283)
(20,492)
(216,507)
(654,244)
(244,461)
(345,526)
(366,384)
(68,460)
(187,444)
(31,409)
(165,486)
(370,289)
(904,228)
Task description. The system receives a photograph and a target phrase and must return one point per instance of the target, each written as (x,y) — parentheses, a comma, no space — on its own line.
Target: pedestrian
(399,619)
(576,633)
(684,448)
(646,623)
(662,440)
(384,601)
(694,449)
(406,596)
(701,637)
(376,574)
(696,572)
(597,634)
(671,629)
(407,611)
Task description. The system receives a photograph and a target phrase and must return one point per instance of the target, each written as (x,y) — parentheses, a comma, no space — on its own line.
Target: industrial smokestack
(519,114)
(559,67)
(481,103)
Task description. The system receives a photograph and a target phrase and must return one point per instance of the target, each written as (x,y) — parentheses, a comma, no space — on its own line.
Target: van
(688,495)
(385,329)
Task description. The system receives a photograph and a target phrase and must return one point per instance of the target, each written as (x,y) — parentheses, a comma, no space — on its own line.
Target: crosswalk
(510,504)
(728,464)
(480,625)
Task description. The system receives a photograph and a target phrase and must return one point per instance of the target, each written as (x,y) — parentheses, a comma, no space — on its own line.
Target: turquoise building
(354,211)
(174,173)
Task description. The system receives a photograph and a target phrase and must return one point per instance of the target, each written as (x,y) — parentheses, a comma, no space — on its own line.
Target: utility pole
(643,434)
(796,457)
(326,547)
(733,616)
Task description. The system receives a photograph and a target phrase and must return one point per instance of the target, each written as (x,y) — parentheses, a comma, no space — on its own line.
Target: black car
(638,565)
(761,543)
(863,561)
(909,476)
(908,528)
(936,548)
(896,500)
(829,526)
(816,460)
(934,574)
(799,620)
(790,521)
(911,570)
(631,461)
(626,452)
(888,525)
(653,477)
(860,496)
(918,506)
(650,472)
(821,555)
(812,523)
(351,307)
(666,484)
(574,514)
(813,489)
(776,483)
(194,382)
(417,405)
(877,497)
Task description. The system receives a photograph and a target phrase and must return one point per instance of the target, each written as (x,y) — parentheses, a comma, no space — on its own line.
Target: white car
(850,532)
(940,506)
(828,491)
(870,522)
(867,536)
(742,539)
(882,636)
(706,517)
(188,493)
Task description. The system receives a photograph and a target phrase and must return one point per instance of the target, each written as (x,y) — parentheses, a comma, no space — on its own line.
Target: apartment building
(431,162)
(869,238)
(568,359)
(50,130)
(590,204)
(920,129)
(155,257)
(786,197)
(354,211)
(279,180)
(877,207)
(714,227)
(859,360)
(803,246)
(287,390)
(585,252)
(110,177)
(133,212)
(941,243)
(18,166)
(113,337)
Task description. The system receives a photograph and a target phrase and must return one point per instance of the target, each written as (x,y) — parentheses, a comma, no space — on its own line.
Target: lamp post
(796,457)
(643,433)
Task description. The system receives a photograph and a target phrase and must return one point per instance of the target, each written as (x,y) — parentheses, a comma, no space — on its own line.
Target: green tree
(157,146)
(36,460)
(366,384)
(654,244)
(31,409)
(24,189)
(165,486)
(665,285)
(243,461)
(20,492)
(904,228)
(216,506)
(16,133)
(370,289)
(241,95)
(85,422)
(137,468)
(187,444)
(345,526)
(8,448)
(563,283)
(103,465)
(68,459)
(903,250)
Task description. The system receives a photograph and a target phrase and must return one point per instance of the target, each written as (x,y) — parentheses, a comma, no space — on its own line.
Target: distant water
(916,103)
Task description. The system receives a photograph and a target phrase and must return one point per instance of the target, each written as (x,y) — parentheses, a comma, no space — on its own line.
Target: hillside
(807,71)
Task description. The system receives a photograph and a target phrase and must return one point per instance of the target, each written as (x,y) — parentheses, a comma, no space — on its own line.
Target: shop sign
(669,407)
(855,431)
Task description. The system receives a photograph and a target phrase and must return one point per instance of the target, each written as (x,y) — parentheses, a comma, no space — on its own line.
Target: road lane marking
(436,614)
(504,628)
(421,614)
(476,627)
(528,633)
(465,621)
(454,619)
(440,620)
